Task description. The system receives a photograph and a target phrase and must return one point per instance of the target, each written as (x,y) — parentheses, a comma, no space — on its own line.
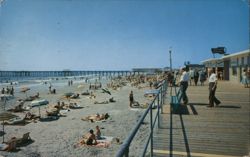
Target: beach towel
(136,109)
(105,141)
(3,146)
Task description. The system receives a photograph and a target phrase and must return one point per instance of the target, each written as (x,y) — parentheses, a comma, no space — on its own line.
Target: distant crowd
(195,76)
(8,90)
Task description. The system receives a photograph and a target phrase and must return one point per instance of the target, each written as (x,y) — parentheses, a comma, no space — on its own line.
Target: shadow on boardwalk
(201,131)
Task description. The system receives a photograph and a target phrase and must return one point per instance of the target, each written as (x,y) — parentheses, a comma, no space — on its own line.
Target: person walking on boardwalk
(191,76)
(184,84)
(196,77)
(245,80)
(202,77)
(131,98)
(212,88)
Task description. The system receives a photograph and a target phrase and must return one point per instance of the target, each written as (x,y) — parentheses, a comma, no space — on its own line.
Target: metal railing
(160,100)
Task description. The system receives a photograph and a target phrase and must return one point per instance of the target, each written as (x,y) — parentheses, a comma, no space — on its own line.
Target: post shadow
(185,137)
(171,135)
(193,109)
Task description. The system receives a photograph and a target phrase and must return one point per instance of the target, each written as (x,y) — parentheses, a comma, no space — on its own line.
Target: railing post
(162,98)
(158,110)
(127,152)
(151,132)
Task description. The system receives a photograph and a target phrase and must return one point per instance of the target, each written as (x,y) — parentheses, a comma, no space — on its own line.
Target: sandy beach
(59,137)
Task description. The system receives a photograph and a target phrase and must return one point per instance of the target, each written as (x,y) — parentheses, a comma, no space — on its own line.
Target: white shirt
(212,78)
(184,77)
(191,73)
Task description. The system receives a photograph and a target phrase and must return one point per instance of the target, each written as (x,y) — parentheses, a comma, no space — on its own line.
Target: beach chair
(176,101)
(23,140)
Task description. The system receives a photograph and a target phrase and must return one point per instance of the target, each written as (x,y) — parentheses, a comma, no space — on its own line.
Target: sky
(118,34)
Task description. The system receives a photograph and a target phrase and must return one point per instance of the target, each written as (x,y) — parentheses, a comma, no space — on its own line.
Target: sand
(57,138)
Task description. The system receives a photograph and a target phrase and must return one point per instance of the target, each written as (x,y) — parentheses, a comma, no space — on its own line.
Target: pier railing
(10,75)
(159,100)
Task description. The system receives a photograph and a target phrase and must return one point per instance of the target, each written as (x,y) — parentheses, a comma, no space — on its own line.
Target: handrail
(124,149)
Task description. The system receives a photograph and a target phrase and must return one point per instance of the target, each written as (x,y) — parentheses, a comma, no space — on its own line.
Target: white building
(230,67)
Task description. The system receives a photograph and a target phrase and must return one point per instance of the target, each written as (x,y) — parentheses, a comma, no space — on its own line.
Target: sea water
(41,85)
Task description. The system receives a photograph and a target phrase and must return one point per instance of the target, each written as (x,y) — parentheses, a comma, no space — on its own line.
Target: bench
(176,101)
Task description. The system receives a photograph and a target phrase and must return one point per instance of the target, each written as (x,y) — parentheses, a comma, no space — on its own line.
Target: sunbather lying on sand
(74,96)
(136,104)
(30,116)
(30,98)
(14,121)
(18,108)
(85,93)
(96,117)
(9,146)
(35,96)
(52,112)
(101,102)
(74,106)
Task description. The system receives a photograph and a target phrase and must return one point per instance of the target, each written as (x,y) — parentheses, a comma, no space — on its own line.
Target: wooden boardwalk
(209,132)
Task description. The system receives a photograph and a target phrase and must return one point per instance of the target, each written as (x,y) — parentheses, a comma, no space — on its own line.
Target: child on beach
(131,98)
(98,133)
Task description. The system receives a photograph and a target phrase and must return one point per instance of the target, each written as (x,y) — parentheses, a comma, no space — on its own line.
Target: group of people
(70,83)
(8,90)
(52,91)
(91,137)
(95,86)
(212,86)
(196,75)
(184,82)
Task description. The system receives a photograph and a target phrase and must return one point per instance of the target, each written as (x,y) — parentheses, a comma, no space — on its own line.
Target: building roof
(237,54)
(211,60)
(227,56)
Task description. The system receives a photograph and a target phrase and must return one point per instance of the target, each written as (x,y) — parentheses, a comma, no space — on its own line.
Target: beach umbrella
(6,116)
(39,103)
(106,91)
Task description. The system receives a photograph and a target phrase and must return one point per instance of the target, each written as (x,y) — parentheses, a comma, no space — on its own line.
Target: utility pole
(170,58)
